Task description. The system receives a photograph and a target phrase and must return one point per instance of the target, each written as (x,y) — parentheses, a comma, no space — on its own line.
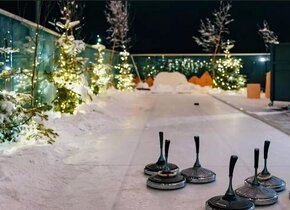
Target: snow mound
(171,82)
(142,85)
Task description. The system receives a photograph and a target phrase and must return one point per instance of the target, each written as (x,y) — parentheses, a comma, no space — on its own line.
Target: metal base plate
(259,195)
(166,183)
(198,175)
(153,168)
(218,203)
(273,183)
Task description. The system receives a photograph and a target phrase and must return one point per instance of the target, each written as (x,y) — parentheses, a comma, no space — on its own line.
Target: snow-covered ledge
(27,22)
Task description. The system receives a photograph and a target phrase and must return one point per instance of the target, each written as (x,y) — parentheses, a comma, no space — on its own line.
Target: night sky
(168,26)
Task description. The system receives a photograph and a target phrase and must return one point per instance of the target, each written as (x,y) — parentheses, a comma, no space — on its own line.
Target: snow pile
(171,82)
(142,85)
(105,112)
(242,91)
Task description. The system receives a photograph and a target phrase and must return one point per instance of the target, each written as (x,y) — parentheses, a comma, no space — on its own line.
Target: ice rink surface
(98,161)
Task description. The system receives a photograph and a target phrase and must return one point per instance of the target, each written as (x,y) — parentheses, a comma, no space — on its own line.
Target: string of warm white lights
(124,76)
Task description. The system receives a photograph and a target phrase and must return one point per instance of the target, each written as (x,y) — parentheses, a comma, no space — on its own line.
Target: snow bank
(105,112)
(171,82)
(43,177)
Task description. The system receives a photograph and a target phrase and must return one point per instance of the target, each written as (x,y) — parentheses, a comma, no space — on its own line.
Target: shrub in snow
(19,123)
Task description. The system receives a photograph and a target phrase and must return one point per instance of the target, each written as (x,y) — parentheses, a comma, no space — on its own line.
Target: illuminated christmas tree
(124,76)
(149,68)
(68,78)
(228,75)
(101,74)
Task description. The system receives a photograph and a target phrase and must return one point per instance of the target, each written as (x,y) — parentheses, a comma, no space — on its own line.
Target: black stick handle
(167,143)
(196,139)
(266,149)
(233,161)
(256,153)
(161,139)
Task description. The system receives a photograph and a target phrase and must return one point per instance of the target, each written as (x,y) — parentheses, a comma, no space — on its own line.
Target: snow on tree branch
(71,20)
(222,17)
(117,16)
(268,36)
(212,31)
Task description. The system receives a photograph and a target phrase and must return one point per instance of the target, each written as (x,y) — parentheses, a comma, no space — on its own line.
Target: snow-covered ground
(97,162)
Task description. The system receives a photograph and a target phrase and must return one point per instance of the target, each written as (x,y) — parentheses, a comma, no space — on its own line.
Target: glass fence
(18,36)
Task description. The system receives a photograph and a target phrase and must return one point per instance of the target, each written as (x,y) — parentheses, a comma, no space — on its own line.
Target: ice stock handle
(256,153)
(196,139)
(266,149)
(233,161)
(161,139)
(167,143)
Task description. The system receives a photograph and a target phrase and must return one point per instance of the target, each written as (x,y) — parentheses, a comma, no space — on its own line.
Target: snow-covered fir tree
(228,75)
(17,122)
(124,76)
(101,73)
(68,77)
(267,35)
(212,32)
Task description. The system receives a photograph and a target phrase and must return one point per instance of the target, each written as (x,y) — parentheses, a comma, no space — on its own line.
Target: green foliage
(149,68)
(18,122)
(66,100)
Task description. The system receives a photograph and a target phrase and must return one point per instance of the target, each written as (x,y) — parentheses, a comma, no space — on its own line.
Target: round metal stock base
(153,168)
(259,195)
(171,181)
(198,175)
(218,203)
(272,182)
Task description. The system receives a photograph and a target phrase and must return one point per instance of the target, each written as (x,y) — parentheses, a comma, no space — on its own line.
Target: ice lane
(103,170)
(223,132)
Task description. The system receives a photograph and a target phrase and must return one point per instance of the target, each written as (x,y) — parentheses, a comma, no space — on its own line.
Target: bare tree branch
(212,31)
(267,35)
(117,16)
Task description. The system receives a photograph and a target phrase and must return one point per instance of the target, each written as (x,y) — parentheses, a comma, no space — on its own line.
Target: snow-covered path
(97,163)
